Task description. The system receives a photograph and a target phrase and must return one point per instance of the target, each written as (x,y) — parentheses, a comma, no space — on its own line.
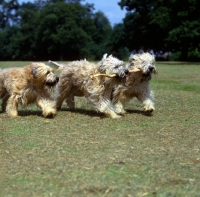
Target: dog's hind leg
(149,105)
(4,101)
(3,95)
(70,102)
(62,93)
(12,105)
(119,108)
(119,98)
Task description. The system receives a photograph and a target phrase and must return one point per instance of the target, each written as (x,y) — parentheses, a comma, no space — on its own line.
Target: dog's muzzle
(123,73)
(52,83)
(126,71)
(151,68)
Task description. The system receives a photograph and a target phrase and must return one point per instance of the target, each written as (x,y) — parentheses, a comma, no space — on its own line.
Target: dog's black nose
(151,68)
(126,71)
(57,79)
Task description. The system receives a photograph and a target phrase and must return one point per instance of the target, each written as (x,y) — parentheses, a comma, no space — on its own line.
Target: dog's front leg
(119,98)
(62,92)
(119,108)
(147,99)
(47,106)
(12,105)
(105,106)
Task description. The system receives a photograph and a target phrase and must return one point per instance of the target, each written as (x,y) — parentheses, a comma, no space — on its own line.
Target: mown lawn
(83,153)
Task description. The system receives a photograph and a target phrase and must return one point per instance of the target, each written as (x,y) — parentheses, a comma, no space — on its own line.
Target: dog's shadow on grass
(29,113)
(144,113)
(87,112)
(94,113)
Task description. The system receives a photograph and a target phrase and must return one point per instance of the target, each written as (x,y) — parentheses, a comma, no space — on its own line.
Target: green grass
(82,153)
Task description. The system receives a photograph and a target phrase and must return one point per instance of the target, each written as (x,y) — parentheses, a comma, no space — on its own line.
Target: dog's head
(44,74)
(111,65)
(145,62)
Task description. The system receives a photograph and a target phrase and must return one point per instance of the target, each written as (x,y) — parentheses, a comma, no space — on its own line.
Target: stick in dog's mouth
(113,75)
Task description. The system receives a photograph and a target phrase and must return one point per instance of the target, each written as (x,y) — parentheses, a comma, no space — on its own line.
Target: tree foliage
(58,29)
(165,24)
(71,29)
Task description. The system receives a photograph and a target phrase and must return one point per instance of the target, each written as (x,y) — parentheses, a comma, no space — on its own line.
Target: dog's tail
(56,65)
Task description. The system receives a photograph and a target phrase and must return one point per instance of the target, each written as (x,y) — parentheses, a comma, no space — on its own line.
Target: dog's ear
(34,69)
(133,58)
(101,64)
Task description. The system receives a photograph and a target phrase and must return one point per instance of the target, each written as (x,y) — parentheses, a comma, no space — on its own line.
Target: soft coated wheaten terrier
(137,83)
(27,85)
(76,80)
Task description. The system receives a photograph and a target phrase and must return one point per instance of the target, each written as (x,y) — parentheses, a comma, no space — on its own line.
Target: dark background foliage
(71,30)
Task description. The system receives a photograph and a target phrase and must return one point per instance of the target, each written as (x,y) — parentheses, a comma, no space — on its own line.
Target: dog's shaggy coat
(75,80)
(137,84)
(27,85)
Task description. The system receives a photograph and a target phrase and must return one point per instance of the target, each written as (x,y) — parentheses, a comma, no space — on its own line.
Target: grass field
(82,153)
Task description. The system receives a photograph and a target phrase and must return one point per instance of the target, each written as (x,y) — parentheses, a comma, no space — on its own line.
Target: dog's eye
(116,66)
(47,72)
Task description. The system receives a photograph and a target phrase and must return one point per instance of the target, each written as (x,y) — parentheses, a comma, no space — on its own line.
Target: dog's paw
(112,115)
(13,114)
(49,114)
(116,116)
(119,109)
(123,112)
(150,110)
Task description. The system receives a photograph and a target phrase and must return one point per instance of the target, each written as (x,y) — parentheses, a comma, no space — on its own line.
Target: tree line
(72,30)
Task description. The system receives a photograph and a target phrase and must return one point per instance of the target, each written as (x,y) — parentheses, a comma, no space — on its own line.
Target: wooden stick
(134,70)
(113,75)
(103,75)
